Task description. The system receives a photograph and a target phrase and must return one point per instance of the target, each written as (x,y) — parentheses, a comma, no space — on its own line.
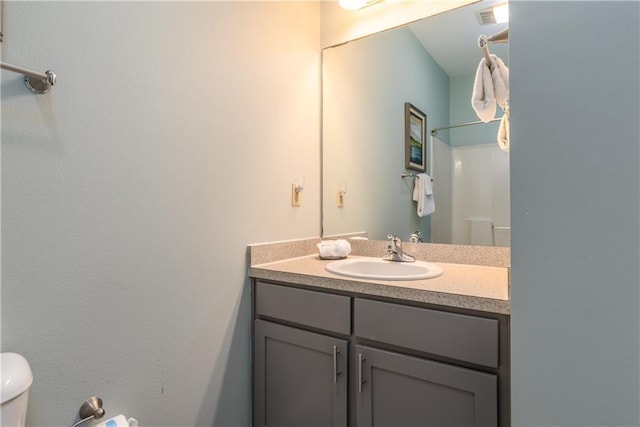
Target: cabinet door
(300,378)
(395,390)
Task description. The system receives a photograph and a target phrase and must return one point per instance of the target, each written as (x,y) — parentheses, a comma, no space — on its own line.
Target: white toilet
(16,378)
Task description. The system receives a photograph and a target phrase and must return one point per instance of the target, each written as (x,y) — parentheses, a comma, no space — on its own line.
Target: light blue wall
(461,111)
(575,186)
(131,190)
(366,83)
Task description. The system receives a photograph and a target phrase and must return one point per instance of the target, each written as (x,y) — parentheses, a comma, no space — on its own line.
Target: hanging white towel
(500,79)
(483,99)
(423,194)
(504,132)
(491,86)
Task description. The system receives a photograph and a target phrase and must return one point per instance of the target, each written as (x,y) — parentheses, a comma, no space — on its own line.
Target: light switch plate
(296,196)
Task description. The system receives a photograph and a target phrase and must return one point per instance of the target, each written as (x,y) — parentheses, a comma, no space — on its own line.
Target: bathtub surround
(474,172)
(473,183)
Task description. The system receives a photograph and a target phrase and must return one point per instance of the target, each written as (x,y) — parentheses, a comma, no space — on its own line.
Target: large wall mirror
(431,64)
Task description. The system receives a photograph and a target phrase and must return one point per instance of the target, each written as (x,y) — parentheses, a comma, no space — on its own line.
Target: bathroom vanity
(336,351)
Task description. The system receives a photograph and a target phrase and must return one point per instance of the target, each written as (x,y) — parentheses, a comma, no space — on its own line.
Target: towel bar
(35,81)
(410,175)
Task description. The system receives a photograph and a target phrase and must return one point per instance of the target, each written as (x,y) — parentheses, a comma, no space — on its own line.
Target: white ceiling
(452,38)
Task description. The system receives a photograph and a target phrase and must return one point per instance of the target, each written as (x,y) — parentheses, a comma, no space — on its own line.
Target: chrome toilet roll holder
(91,409)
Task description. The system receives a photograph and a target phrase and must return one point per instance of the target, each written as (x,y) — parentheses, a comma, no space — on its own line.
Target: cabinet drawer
(315,309)
(458,336)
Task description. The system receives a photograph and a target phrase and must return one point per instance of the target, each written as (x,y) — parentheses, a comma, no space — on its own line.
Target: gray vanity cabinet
(398,390)
(327,359)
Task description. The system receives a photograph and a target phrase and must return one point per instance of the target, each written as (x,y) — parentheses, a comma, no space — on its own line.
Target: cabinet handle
(361,380)
(336,372)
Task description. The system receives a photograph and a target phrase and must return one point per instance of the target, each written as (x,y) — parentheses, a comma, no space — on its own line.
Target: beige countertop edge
(488,294)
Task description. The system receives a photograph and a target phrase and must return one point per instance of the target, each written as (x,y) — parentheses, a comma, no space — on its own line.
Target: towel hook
(483,43)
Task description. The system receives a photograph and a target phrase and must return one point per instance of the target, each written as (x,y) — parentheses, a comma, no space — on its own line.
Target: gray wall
(130,192)
(575,213)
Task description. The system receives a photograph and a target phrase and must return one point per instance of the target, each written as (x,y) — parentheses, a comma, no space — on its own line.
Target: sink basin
(377,269)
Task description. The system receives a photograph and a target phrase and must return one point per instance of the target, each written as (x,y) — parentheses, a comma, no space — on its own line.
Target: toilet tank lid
(15,375)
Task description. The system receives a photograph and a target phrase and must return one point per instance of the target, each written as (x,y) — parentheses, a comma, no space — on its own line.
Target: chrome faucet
(394,251)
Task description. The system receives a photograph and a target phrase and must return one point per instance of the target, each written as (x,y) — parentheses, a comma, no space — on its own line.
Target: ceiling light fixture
(501,13)
(357,4)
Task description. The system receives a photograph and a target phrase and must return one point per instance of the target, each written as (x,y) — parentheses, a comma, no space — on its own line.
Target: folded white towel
(504,132)
(334,248)
(423,194)
(490,86)
(483,98)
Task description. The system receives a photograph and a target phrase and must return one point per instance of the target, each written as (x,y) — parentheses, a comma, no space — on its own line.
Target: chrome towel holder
(410,175)
(35,81)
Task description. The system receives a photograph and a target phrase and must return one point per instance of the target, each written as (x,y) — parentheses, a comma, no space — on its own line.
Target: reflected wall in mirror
(366,83)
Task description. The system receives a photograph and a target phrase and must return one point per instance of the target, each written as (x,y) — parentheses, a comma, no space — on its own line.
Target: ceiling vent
(496,14)
(486,16)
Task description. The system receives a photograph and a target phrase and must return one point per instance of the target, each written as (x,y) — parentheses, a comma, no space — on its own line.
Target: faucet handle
(393,244)
(416,237)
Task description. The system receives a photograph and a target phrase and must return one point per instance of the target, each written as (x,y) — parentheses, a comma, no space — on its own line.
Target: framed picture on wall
(415,138)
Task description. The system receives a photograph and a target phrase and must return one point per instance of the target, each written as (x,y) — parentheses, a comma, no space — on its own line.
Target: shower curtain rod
(434,131)
(34,81)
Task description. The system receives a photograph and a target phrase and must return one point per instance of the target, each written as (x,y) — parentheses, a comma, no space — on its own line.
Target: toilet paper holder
(90,409)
